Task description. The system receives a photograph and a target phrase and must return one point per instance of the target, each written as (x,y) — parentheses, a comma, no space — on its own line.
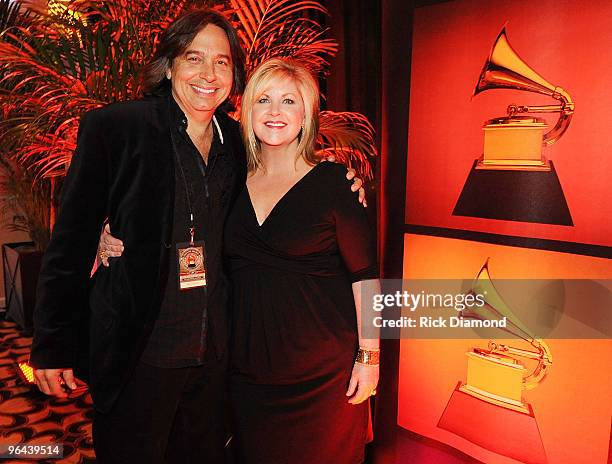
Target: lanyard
(202,170)
(187,195)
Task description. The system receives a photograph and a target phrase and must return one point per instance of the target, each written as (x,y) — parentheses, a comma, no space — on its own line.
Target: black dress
(294,323)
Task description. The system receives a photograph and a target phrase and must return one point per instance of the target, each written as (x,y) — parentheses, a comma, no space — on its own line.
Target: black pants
(166,416)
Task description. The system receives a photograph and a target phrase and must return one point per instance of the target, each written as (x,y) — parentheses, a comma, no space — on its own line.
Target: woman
(298,247)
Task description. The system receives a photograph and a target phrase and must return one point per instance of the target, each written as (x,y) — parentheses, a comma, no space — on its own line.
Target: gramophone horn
(494,309)
(504,69)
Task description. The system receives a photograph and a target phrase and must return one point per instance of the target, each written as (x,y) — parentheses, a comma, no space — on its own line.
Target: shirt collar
(179,119)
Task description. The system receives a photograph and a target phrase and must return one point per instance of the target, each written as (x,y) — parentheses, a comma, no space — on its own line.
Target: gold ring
(103,254)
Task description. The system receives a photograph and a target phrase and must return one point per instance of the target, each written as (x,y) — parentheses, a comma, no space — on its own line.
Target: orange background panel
(446,258)
(569,44)
(572,405)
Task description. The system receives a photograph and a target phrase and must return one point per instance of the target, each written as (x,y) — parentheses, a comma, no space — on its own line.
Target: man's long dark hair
(175,40)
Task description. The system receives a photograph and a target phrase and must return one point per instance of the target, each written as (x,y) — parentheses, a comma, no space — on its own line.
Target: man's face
(202,77)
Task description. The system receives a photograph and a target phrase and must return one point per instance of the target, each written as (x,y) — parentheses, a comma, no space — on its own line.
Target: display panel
(570,408)
(566,44)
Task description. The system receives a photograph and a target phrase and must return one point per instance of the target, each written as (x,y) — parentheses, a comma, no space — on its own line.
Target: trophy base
(514,195)
(496,428)
(496,400)
(513,164)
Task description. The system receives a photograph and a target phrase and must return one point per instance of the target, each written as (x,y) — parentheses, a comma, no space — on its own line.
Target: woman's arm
(365,374)
(357,247)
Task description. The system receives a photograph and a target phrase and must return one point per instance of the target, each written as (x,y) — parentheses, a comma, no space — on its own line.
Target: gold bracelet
(368,357)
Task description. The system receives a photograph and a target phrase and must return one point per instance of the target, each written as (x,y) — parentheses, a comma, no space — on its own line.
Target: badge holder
(191,265)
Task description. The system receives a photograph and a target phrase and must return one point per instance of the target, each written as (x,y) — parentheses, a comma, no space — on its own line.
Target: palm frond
(282,28)
(350,138)
(52,73)
(24,206)
(57,63)
(10,15)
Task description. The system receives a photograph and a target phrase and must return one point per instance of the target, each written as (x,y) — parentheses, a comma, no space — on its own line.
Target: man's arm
(357,185)
(357,182)
(62,292)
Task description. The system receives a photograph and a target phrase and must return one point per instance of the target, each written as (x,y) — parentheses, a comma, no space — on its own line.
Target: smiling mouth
(275,124)
(203,90)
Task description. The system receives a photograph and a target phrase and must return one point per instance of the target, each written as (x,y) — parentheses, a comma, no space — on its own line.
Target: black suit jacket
(122,170)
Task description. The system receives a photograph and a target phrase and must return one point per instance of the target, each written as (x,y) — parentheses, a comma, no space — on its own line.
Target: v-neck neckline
(279,201)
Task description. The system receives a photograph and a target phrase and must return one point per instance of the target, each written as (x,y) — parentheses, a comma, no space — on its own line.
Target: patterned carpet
(28,416)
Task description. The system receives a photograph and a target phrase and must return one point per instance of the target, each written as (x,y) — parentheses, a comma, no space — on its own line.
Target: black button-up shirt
(189,318)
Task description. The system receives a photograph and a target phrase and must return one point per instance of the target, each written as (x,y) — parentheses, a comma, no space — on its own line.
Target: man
(160,169)
(164,171)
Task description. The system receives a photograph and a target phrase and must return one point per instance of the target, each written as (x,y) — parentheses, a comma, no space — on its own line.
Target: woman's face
(202,77)
(278,113)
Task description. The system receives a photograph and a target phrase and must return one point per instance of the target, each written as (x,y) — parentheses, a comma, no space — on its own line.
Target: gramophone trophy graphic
(513,180)
(489,409)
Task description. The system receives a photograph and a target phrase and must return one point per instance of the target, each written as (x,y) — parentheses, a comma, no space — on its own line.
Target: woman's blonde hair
(283,68)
